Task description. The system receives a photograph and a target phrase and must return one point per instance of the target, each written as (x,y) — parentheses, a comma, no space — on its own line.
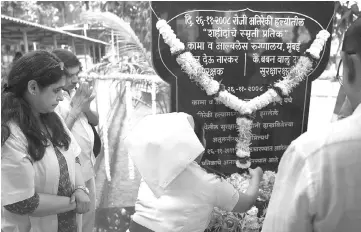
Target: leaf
(138,62)
(346,15)
(355,9)
(124,32)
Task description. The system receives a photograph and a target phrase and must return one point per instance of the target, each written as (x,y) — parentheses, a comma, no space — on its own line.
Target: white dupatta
(162,146)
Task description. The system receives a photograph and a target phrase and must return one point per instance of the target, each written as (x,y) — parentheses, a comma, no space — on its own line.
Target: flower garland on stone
(275,93)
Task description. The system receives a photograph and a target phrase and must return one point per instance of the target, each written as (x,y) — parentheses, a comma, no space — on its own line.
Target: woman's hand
(82,201)
(86,106)
(84,95)
(256,173)
(79,98)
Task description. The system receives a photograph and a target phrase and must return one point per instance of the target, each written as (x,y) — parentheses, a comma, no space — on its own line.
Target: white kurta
(176,194)
(84,135)
(186,204)
(20,179)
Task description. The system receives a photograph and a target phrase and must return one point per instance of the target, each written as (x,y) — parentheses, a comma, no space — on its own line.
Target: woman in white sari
(176,194)
(41,184)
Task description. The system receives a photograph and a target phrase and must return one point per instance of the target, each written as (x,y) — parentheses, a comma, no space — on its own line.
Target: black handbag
(97,142)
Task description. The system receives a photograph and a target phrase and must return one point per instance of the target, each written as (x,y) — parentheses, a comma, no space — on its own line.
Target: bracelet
(77,160)
(85,189)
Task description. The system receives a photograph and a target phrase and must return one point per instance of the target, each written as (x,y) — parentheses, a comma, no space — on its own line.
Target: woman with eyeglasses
(41,177)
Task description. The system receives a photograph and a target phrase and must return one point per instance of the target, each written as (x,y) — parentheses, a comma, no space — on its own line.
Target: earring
(33,93)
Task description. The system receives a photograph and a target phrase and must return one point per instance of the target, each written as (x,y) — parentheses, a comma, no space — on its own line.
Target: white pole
(55,42)
(113,47)
(129,101)
(129,109)
(154,102)
(25,39)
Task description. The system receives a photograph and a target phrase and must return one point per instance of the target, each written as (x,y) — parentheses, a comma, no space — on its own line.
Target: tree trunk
(41,21)
(86,5)
(63,15)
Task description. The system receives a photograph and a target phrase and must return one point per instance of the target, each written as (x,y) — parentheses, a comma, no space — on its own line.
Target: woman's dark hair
(17,56)
(70,60)
(46,69)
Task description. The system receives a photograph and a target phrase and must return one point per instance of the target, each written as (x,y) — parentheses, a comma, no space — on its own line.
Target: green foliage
(137,13)
(345,13)
(53,14)
(29,10)
(61,13)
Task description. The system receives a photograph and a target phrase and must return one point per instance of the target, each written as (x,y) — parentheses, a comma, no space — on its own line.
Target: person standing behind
(318,184)
(17,56)
(6,70)
(75,109)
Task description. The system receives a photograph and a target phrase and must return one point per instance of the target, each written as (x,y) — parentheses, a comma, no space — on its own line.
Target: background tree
(61,13)
(345,13)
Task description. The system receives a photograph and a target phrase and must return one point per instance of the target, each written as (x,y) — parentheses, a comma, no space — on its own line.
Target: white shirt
(318,184)
(187,202)
(83,134)
(161,147)
(20,179)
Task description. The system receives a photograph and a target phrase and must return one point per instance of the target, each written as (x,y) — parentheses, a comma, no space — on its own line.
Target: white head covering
(162,146)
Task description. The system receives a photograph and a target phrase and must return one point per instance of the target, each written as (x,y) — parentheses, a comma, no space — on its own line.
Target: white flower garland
(244,141)
(212,87)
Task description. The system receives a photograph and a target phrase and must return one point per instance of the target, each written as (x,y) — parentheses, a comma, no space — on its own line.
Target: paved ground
(116,198)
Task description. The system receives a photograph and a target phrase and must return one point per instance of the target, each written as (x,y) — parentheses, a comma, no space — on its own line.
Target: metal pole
(113,48)
(54,41)
(73,45)
(94,57)
(100,51)
(129,101)
(85,55)
(118,52)
(25,38)
(154,94)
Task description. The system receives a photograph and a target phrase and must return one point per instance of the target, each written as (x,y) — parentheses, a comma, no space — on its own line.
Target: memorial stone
(246,46)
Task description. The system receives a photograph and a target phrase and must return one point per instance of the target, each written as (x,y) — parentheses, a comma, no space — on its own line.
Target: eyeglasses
(71,75)
(339,76)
